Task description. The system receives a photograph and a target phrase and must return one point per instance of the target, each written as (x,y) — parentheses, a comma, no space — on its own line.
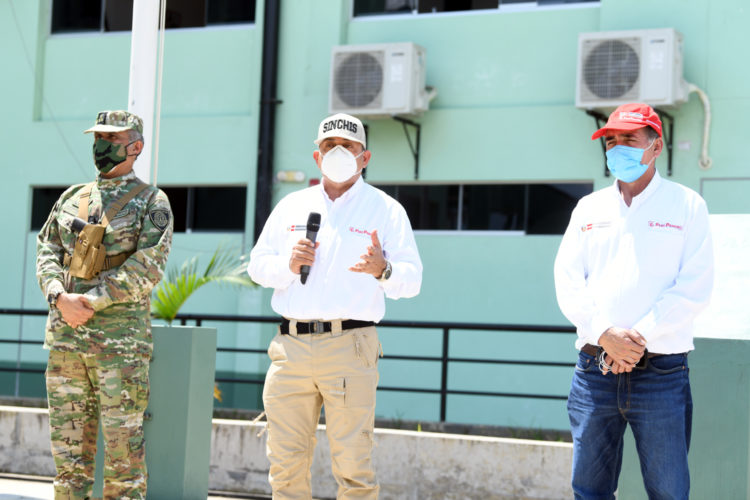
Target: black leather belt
(593,350)
(323,326)
(642,363)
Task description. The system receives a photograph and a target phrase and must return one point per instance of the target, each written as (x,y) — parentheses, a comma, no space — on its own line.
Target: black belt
(323,326)
(596,351)
(593,350)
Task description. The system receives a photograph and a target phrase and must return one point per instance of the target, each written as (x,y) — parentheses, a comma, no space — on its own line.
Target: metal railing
(444,359)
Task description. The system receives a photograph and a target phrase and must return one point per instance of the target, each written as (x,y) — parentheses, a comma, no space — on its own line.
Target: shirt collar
(348,194)
(115,181)
(644,195)
(650,189)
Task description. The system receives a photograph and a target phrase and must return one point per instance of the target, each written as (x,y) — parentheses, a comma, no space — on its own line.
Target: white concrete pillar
(142,88)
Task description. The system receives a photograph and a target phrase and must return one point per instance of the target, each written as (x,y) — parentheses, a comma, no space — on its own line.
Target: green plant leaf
(179,283)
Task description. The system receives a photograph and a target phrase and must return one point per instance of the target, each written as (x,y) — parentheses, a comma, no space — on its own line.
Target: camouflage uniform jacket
(121,296)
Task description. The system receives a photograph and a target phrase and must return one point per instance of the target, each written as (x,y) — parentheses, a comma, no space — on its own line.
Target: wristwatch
(52,299)
(386,272)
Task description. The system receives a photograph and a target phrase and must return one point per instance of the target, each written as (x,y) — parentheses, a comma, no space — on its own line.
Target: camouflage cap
(116,121)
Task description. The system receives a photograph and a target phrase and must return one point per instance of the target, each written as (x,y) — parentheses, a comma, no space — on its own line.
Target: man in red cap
(633,270)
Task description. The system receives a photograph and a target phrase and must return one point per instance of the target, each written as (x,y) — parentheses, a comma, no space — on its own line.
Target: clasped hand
(624,348)
(373,262)
(75,309)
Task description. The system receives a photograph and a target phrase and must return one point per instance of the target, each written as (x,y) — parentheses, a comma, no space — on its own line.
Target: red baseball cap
(631,117)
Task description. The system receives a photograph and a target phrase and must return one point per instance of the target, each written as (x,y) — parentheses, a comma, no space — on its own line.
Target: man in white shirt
(327,348)
(633,270)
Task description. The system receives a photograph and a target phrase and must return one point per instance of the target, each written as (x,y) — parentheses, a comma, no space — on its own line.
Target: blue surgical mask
(625,162)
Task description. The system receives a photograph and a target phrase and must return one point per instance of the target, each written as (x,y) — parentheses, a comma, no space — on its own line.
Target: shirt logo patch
(122,213)
(359,231)
(297,227)
(665,225)
(160,218)
(595,225)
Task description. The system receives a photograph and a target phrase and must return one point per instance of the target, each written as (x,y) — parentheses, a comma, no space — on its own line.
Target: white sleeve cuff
(599,325)
(646,325)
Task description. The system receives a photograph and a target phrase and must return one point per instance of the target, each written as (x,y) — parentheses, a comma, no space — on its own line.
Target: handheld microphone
(313,225)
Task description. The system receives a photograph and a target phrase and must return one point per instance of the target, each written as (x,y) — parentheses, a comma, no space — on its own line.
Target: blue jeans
(657,404)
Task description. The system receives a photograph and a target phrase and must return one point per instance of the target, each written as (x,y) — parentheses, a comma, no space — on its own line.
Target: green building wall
(504,113)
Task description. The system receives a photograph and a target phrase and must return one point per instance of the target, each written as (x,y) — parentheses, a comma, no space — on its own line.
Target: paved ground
(17,487)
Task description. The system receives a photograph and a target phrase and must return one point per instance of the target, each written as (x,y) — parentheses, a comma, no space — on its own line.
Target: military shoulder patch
(160,218)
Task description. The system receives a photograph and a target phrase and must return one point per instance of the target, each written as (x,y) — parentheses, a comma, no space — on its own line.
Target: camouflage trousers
(81,388)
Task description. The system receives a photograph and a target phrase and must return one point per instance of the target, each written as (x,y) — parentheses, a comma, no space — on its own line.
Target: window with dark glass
(550,206)
(76,15)
(195,208)
(117,15)
(493,207)
(43,199)
(372,7)
(365,7)
(207,208)
(429,207)
(528,208)
(426,6)
(219,208)
(178,200)
(230,11)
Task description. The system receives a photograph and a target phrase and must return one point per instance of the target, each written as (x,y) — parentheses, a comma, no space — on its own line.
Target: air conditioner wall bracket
(414,149)
(668,133)
(599,118)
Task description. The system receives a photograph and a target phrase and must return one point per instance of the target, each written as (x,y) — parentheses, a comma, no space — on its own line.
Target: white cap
(344,126)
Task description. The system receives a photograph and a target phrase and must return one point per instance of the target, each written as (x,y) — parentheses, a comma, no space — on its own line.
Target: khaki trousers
(338,370)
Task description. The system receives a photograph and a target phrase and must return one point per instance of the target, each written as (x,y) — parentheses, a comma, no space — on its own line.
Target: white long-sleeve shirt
(332,291)
(648,266)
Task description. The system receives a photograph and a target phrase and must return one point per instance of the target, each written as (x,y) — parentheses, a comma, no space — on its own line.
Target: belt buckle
(316,326)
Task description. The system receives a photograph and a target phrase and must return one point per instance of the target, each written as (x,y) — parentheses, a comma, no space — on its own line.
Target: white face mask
(339,164)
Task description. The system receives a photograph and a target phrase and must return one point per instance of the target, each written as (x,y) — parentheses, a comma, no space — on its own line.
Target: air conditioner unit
(617,67)
(378,80)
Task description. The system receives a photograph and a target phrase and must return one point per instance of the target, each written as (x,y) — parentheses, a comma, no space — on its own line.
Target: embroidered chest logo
(297,227)
(595,225)
(122,213)
(664,225)
(359,231)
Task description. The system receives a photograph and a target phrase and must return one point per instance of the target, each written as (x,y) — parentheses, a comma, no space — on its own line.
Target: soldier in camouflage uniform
(99,329)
